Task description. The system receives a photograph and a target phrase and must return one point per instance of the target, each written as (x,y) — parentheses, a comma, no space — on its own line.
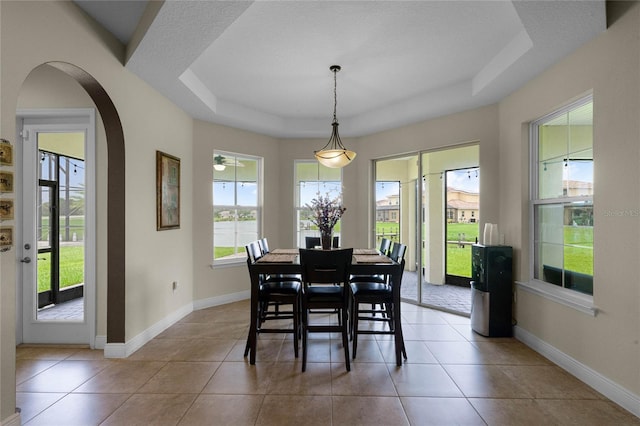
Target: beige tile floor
(194,373)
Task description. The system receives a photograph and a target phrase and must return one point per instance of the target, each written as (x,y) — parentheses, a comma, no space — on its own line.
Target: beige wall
(610,66)
(33,33)
(227,280)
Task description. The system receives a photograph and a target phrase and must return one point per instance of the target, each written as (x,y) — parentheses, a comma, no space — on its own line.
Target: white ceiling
(264,65)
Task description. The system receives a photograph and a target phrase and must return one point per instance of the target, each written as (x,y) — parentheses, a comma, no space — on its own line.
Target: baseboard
(123,350)
(221,300)
(100,342)
(12,420)
(597,381)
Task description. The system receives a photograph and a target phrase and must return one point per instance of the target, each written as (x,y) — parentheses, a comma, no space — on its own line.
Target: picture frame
(6,181)
(167,191)
(6,237)
(6,153)
(6,209)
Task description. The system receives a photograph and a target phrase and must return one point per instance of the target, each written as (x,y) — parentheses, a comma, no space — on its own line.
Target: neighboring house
(462,206)
(388,210)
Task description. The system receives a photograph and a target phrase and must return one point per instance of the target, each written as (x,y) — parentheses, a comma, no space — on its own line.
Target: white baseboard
(221,300)
(12,420)
(123,350)
(100,342)
(602,384)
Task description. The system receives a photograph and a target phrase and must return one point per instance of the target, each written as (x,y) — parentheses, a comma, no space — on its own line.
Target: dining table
(286,261)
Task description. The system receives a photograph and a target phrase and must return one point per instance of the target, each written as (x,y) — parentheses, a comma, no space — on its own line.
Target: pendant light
(334,154)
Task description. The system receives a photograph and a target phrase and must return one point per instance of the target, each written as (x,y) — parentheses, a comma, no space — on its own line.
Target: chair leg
(345,337)
(296,325)
(354,326)
(305,322)
(247,346)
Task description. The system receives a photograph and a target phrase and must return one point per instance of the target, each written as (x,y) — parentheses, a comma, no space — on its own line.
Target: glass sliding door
(397,212)
(462,222)
(449,218)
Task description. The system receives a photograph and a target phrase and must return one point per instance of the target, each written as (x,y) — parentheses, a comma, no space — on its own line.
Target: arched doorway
(115,198)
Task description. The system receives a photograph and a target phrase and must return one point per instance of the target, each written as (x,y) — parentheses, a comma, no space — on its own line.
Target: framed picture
(167,191)
(6,236)
(6,209)
(6,153)
(6,181)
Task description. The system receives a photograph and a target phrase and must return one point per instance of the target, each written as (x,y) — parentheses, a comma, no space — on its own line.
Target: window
(562,197)
(237,205)
(312,179)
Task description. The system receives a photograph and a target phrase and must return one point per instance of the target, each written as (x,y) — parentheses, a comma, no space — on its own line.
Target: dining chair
(264,249)
(385,245)
(376,293)
(325,279)
(384,249)
(264,245)
(397,251)
(275,291)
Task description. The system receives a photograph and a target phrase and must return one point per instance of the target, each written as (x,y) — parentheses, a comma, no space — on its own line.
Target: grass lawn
(459,257)
(71,267)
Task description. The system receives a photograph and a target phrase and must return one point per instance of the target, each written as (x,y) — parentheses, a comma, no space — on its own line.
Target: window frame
(298,208)
(582,302)
(240,257)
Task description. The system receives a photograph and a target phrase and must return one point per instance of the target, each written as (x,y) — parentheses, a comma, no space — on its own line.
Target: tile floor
(194,373)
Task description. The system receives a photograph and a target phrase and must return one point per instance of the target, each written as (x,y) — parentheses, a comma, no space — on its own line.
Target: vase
(325,240)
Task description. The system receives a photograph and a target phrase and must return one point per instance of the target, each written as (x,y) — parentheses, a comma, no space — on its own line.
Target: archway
(115,198)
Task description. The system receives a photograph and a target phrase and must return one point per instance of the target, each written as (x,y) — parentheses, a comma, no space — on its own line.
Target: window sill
(578,301)
(228,264)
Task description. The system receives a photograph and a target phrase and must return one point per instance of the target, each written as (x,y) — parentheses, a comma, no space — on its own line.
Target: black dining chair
(264,249)
(264,245)
(384,249)
(325,279)
(385,245)
(275,291)
(375,293)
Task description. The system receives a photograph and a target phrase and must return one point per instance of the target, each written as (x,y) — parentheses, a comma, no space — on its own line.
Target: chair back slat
(253,251)
(264,245)
(398,251)
(325,266)
(385,245)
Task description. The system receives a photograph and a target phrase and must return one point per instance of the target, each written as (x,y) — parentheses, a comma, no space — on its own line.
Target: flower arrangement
(326,212)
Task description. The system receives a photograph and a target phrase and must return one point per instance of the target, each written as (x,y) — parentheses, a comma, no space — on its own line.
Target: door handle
(26,260)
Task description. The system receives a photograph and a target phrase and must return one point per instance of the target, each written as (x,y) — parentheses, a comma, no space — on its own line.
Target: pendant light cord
(335,94)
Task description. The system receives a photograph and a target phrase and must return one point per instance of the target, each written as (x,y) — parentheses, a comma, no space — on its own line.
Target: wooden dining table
(287,261)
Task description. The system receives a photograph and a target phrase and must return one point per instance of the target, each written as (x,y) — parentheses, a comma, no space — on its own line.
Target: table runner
(285,251)
(368,258)
(277,258)
(368,251)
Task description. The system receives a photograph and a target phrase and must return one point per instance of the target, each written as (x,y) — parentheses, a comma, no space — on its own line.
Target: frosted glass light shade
(335,158)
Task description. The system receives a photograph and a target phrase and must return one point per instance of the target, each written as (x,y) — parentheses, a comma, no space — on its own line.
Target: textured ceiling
(264,65)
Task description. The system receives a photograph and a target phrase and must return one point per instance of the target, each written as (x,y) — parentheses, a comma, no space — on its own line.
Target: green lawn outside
(578,251)
(71,267)
(459,256)
(219,252)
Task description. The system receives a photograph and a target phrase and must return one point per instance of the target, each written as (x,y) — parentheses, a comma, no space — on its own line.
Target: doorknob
(26,260)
